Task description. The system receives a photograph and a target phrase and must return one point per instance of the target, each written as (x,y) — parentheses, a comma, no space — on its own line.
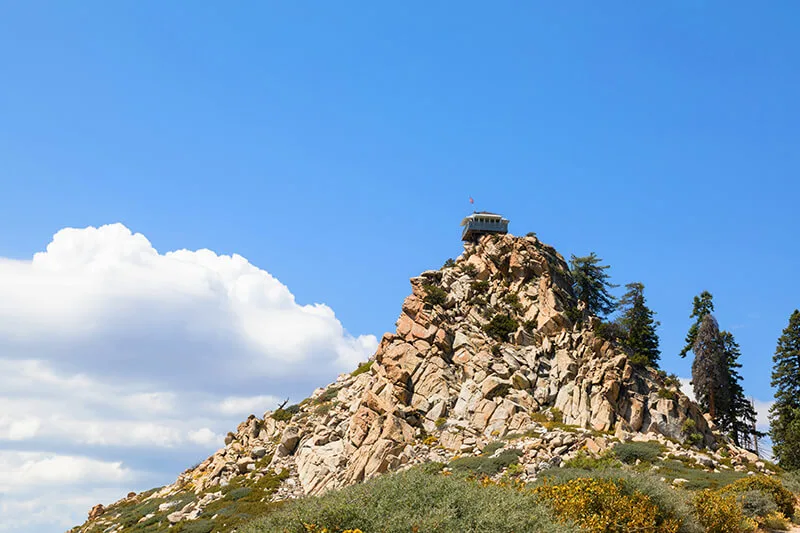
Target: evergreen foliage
(590,284)
(410,501)
(785,412)
(434,295)
(641,339)
(709,378)
(715,373)
(702,306)
(737,417)
(501,326)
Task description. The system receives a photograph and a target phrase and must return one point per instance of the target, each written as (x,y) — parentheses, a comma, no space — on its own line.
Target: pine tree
(701,307)
(590,284)
(737,417)
(709,376)
(641,339)
(784,414)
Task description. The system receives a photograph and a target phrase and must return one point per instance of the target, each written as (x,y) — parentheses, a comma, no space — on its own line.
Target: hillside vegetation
(503,402)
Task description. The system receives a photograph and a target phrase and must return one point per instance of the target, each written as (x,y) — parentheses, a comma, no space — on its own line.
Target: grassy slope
(433,502)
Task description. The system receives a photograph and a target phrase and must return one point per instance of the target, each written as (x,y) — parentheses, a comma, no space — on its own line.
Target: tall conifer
(702,306)
(737,417)
(784,415)
(709,375)
(590,284)
(641,339)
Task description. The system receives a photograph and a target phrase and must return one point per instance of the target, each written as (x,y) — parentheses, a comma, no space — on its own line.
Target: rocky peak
(483,350)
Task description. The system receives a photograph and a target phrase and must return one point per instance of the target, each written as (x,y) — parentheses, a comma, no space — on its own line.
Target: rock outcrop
(484,349)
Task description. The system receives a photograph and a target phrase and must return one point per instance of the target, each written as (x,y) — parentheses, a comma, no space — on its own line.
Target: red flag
(471,200)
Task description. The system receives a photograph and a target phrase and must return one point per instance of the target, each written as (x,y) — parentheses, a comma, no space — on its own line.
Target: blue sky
(335,145)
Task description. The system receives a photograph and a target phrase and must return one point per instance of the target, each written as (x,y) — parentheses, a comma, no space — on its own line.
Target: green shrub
(238,492)
(285,414)
(193,526)
(450,263)
(483,465)
(694,439)
(585,461)
(689,429)
(323,409)
(362,368)
(328,395)
(719,513)
(791,480)
(434,467)
(698,478)
(529,326)
(668,394)
(666,498)
(501,326)
(434,294)
(610,331)
(412,501)
(639,360)
(767,485)
(775,521)
(480,286)
(600,505)
(492,447)
(243,499)
(755,504)
(470,270)
(514,470)
(512,299)
(440,422)
(630,452)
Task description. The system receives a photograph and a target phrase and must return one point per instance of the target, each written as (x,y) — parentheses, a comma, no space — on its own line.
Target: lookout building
(482,223)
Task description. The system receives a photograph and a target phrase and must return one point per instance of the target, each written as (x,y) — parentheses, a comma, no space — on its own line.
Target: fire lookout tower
(482,223)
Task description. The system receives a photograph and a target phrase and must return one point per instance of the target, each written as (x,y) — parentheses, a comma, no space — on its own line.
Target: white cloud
(18,429)
(205,437)
(86,411)
(104,301)
(47,491)
(25,470)
(53,510)
(241,405)
(762,411)
(686,388)
(112,354)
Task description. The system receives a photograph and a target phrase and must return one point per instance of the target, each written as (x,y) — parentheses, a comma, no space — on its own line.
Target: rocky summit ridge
(492,346)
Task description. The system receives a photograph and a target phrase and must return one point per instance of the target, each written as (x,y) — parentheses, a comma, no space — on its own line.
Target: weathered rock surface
(96,511)
(441,385)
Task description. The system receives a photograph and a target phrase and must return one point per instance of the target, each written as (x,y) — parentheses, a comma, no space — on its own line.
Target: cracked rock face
(441,375)
(444,383)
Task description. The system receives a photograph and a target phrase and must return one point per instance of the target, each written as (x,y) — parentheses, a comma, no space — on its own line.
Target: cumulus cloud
(49,492)
(686,388)
(234,405)
(762,412)
(120,365)
(103,301)
(25,470)
(205,436)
